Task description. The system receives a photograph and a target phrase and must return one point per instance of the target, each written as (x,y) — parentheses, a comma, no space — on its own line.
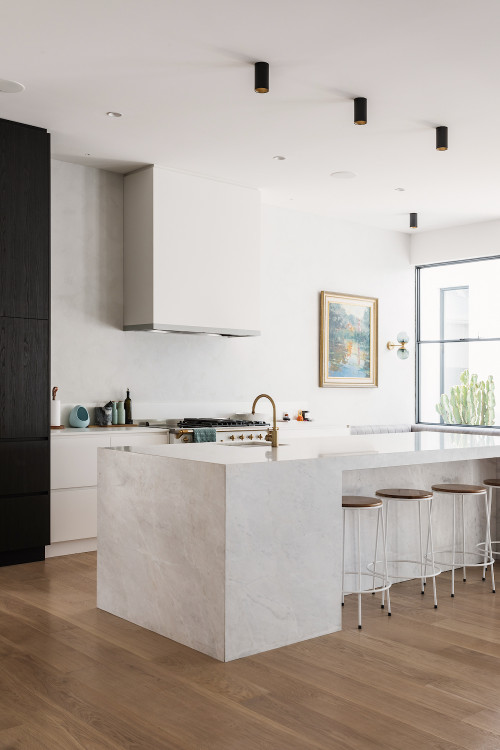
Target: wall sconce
(403,339)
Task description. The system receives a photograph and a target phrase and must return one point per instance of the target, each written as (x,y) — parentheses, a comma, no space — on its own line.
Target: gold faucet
(272,435)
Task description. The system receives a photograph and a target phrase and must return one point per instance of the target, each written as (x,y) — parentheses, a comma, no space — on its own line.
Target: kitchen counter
(234,550)
(351,451)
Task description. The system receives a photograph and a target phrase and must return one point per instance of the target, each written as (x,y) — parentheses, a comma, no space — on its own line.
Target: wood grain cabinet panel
(25,522)
(24,467)
(24,221)
(24,378)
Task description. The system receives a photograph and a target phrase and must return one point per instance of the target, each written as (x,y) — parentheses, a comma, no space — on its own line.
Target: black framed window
(458,342)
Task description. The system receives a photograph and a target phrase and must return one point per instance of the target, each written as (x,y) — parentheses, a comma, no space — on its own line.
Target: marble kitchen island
(234,550)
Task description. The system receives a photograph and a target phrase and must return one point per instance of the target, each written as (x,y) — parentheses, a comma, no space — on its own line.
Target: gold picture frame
(348,341)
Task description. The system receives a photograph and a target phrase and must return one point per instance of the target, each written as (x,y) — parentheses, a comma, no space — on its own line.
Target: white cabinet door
(74,461)
(154,439)
(73,514)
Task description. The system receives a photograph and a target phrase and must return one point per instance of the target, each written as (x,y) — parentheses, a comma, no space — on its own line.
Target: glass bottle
(128,408)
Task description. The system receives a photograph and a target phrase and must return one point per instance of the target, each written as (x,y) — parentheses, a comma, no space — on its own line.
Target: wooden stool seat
(357,501)
(459,489)
(399,494)
(491,482)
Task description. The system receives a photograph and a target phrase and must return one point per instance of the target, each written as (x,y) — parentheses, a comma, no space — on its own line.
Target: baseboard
(71,548)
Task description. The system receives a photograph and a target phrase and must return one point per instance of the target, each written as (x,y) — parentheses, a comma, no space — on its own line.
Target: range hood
(191,254)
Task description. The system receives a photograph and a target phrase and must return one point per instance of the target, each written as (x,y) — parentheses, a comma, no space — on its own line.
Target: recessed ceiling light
(400,190)
(114,114)
(344,175)
(10,87)
(279,158)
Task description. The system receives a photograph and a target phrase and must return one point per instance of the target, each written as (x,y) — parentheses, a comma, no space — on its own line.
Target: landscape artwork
(348,345)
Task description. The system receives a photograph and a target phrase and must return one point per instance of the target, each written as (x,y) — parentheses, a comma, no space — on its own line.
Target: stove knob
(231,437)
(260,437)
(241,437)
(250,437)
(185,439)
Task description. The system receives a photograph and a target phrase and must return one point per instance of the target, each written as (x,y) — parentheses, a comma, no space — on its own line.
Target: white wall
(93,360)
(469,241)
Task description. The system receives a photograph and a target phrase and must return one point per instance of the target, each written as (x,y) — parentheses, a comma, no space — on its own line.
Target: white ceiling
(181,71)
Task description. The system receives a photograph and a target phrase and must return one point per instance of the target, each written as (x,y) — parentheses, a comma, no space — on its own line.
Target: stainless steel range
(227,430)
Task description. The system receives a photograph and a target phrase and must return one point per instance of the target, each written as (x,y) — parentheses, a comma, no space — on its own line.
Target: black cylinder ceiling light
(442,138)
(262,77)
(360,111)
(413,221)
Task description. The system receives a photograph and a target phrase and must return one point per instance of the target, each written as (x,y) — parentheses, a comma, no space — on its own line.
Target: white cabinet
(73,480)
(73,461)
(73,514)
(191,254)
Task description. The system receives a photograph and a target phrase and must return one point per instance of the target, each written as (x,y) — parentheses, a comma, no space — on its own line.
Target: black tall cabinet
(24,342)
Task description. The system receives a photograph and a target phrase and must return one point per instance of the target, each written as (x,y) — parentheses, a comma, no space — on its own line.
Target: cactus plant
(471,402)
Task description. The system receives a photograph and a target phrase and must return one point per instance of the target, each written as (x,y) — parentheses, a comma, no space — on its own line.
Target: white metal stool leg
(463,540)
(343,554)
(376,550)
(453,550)
(487,542)
(429,535)
(384,541)
(422,591)
(386,574)
(488,499)
(359,568)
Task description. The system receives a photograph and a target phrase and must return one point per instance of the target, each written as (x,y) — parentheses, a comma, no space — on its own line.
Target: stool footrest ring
(385,583)
(461,560)
(423,569)
(481,546)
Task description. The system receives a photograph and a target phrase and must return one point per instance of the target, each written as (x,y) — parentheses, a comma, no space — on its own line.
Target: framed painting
(348,345)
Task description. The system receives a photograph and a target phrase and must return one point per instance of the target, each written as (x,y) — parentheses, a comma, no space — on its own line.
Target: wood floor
(72,676)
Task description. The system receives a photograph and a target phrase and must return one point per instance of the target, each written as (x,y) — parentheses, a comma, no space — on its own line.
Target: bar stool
(463,491)
(360,506)
(490,484)
(428,568)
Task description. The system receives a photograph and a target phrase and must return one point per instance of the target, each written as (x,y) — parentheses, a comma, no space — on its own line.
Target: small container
(114,413)
(108,408)
(79,417)
(286,417)
(300,418)
(120,408)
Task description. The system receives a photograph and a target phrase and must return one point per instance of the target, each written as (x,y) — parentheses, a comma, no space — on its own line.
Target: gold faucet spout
(272,435)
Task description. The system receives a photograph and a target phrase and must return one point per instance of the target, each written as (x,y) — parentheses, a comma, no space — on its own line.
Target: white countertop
(352,451)
(95,431)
